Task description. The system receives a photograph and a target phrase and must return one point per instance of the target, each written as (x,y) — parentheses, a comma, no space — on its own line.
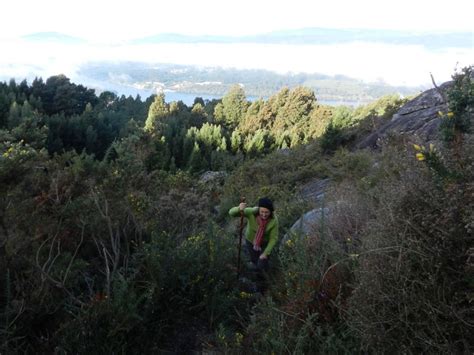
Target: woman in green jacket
(261,234)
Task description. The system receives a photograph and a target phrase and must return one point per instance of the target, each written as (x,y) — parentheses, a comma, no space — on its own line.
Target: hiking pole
(242,200)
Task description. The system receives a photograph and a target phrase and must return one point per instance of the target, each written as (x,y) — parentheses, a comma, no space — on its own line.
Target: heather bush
(412,287)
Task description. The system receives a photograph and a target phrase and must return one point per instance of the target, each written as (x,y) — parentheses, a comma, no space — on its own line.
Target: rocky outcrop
(418,117)
(306,225)
(213,177)
(314,190)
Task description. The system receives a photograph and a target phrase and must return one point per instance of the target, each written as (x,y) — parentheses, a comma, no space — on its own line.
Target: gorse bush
(171,292)
(459,118)
(72,244)
(411,278)
(413,281)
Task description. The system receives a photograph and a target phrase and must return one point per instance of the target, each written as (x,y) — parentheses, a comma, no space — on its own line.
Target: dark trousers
(261,266)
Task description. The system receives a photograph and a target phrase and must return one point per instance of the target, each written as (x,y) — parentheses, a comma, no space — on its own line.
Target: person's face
(264,212)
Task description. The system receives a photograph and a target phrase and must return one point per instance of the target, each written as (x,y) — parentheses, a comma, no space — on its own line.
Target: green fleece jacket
(271,231)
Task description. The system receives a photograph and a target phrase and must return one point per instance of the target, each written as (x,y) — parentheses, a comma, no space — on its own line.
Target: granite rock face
(309,222)
(314,190)
(418,117)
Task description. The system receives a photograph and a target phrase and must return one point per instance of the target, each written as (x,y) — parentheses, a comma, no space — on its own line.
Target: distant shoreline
(188,98)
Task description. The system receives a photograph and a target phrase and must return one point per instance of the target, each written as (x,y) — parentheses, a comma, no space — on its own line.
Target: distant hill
(216,81)
(322,36)
(53,37)
(313,36)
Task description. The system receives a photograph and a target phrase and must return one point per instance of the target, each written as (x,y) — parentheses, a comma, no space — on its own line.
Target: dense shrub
(412,284)
(172,293)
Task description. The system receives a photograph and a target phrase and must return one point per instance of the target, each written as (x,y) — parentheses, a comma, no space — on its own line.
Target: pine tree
(235,106)
(236,141)
(156,114)
(195,160)
(14,115)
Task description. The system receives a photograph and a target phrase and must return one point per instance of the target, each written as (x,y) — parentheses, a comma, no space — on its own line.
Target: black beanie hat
(265,202)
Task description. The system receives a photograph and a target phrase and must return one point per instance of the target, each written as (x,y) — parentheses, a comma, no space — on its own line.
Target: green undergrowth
(117,256)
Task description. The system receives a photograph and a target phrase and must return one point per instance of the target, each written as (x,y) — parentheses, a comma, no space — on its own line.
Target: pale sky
(107,20)
(106,24)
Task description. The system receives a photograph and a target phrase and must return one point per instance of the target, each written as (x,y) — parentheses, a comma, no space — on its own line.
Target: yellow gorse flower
(418,148)
(244,294)
(450,114)
(239,337)
(8,152)
(420,156)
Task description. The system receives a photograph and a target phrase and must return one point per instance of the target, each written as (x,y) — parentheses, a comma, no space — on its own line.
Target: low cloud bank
(393,64)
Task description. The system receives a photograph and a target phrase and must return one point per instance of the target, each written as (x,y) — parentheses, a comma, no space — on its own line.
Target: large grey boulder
(308,224)
(418,117)
(314,190)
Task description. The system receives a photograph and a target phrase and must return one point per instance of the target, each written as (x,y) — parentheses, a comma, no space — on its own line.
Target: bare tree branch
(441,92)
(74,255)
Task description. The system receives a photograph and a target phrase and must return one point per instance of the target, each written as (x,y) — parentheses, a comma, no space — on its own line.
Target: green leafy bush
(459,118)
